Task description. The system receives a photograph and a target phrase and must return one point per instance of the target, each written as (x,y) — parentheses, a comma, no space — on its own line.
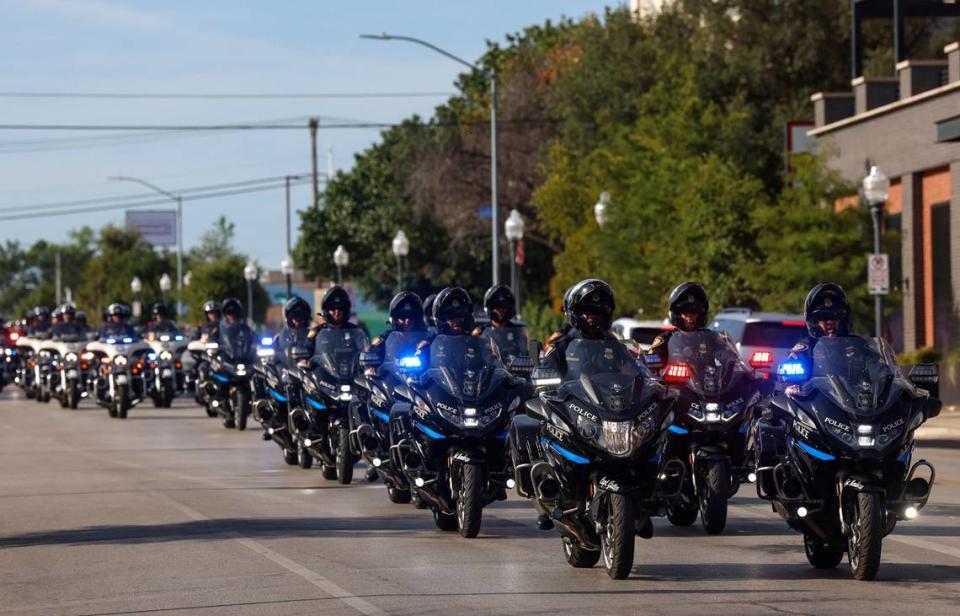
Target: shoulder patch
(476,331)
(377,341)
(799,347)
(423,344)
(312,333)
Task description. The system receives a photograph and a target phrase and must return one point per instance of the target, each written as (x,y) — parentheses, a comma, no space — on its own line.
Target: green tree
(219,279)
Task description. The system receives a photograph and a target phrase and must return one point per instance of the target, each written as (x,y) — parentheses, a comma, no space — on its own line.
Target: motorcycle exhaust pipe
(548,488)
(262,411)
(412,459)
(791,488)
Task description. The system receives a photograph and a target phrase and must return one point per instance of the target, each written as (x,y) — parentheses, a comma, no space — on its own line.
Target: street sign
(159,227)
(878,274)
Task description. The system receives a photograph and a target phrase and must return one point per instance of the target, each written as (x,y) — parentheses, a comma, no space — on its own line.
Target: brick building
(909,126)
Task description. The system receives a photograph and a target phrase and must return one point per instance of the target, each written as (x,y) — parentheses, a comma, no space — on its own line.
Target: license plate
(166,372)
(121,379)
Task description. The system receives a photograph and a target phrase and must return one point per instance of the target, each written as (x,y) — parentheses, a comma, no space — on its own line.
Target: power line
(157,201)
(151,195)
(225,95)
(250,127)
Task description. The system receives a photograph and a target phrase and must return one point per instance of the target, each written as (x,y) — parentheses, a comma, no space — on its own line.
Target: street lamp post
(600,209)
(513,229)
(135,287)
(401,248)
(179,200)
(341,258)
(492,76)
(165,285)
(286,266)
(876,189)
(250,274)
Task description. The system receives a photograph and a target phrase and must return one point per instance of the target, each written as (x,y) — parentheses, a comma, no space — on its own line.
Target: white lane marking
(327,586)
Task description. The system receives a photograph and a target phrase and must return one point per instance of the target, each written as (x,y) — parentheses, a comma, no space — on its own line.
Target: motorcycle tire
(682,513)
(329,472)
(112,409)
(577,556)
(866,536)
(210,412)
(62,399)
(345,459)
(470,501)
(157,400)
(445,521)
(73,397)
(229,423)
(122,400)
(304,459)
(398,495)
(819,554)
(290,457)
(713,497)
(167,393)
(241,408)
(617,536)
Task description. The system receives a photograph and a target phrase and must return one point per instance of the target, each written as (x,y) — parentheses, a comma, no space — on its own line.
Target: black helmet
(81,316)
(67,308)
(335,298)
(826,301)
(591,297)
(118,309)
(296,307)
(211,306)
(428,309)
(41,312)
(158,310)
(452,304)
(406,305)
(688,297)
(500,296)
(232,305)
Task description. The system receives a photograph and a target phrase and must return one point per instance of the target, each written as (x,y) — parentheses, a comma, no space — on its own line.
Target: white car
(641,332)
(764,339)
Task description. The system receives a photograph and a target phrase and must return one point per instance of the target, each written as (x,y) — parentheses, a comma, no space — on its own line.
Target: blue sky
(220,46)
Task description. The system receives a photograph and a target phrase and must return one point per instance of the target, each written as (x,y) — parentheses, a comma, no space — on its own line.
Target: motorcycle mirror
(534,409)
(927,377)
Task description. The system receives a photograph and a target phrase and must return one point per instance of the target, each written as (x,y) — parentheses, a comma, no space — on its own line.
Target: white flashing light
(377,462)
(307,442)
(911,512)
(419,482)
(752,477)
(802,512)
(866,441)
(511,483)
(864,429)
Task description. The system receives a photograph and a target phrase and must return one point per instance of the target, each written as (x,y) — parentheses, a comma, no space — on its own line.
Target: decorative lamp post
(401,248)
(876,189)
(250,274)
(513,229)
(600,209)
(136,286)
(165,285)
(286,266)
(341,258)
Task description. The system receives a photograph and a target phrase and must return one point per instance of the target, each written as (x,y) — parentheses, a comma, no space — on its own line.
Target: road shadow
(938,443)
(254,528)
(799,572)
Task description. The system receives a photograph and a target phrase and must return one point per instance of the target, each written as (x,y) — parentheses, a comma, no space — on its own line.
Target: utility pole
(288,214)
(314,124)
(56,262)
(329,162)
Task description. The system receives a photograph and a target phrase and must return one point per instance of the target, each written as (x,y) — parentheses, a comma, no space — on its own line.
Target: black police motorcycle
(718,396)
(841,471)
(449,437)
(270,405)
(320,399)
(590,453)
(513,344)
(231,368)
(370,412)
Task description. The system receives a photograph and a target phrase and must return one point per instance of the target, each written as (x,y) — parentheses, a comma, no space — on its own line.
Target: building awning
(948,130)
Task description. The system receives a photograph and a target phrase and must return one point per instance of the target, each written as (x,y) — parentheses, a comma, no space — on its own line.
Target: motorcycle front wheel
(715,487)
(470,500)
(345,459)
(617,537)
(866,536)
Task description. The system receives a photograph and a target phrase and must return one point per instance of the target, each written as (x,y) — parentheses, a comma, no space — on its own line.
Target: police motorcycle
(68,364)
(370,413)
(11,355)
(270,406)
(30,374)
(718,396)
(449,436)
(167,369)
(201,353)
(320,399)
(228,390)
(841,468)
(591,454)
(123,369)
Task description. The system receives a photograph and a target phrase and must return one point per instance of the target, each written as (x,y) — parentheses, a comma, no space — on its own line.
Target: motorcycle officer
(40,326)
(589,306)
(159,322)
(827,313)
(68,326)
(210,330)
(688,308)
(406,315)
(296,332)
(117,324)
(334,311)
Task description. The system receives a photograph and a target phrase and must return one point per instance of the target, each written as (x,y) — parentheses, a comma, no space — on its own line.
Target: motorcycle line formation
(452,413)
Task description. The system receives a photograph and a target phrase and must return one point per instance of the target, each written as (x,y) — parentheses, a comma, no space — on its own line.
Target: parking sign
(878,274)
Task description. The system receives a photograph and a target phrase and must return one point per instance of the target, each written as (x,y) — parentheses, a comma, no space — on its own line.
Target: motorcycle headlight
(120,360)
(712,411)
(241,369)
(71,357)
(645,428)
(617,437)
(166,355)
(588,428)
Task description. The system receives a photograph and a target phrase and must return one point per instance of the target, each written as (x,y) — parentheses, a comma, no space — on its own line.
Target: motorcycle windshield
(604,373)
(337,351)
(466,367)
(860,375)
(715,365)
(510,341)
(237,341)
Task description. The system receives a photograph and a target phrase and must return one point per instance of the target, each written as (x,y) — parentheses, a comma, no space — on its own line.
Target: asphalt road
(169,513)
